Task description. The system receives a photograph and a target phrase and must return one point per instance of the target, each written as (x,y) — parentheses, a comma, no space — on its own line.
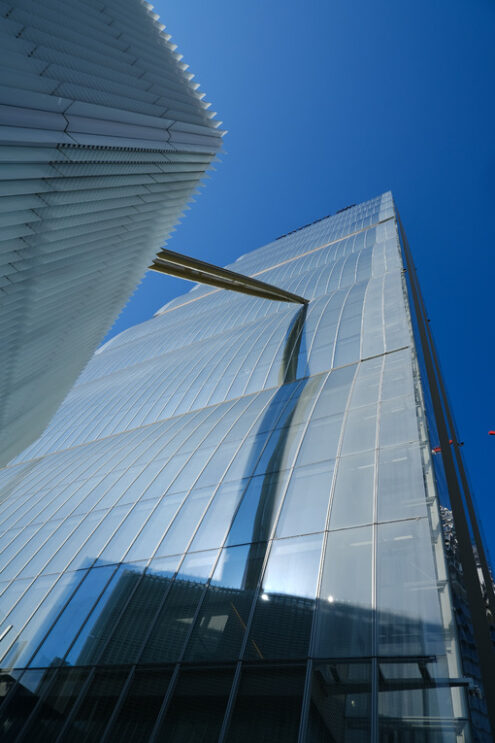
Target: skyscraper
(230,530)
(103,140)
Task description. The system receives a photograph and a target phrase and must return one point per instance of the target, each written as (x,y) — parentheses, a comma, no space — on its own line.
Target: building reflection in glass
(158,641)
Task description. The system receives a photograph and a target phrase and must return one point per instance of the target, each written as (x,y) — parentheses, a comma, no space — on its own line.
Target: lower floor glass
(331,700)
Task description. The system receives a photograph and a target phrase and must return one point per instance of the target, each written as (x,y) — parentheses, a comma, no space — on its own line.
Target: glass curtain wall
(230,530)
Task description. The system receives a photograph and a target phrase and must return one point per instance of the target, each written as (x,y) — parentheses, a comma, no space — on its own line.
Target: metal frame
(459,492)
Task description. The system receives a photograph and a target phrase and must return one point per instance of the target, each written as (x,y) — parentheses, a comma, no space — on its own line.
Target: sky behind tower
(332,102)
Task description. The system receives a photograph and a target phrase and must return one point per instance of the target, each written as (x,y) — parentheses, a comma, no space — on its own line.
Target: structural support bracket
(192,269)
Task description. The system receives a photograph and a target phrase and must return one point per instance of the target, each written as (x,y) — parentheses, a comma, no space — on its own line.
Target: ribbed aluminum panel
(103,140)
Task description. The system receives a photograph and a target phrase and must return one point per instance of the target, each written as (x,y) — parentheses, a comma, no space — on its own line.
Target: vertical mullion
(76,706)
(374,607)
(306,702)
(165,704)
(230,704)
(118,704)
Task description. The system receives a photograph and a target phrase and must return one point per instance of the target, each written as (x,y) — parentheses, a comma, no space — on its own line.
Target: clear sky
(332,102)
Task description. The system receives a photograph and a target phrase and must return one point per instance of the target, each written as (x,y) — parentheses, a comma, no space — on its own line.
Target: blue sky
(331,102)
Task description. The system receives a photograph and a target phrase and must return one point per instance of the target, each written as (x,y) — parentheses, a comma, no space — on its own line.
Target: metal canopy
(192,269)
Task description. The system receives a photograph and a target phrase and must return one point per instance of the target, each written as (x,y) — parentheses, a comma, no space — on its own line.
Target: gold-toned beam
(192,269)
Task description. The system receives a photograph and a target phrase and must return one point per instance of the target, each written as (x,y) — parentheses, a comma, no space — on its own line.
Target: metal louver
(103,140)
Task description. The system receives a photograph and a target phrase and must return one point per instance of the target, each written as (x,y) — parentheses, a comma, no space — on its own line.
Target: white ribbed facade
(103,139)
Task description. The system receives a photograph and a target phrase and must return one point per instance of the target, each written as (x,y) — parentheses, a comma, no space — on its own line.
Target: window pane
(143,701)
(255,517)
(185,523)
(218,518)
(407,593)
(74,615)
(156,526)
(284,611)
(221,623)
(360,430)
(35,629)
(62,690)
(401,492)
(406,694)
(306,502)
(174,620)
(340,703)
(398,421)
(22,702)
(333,397)
(344,610)
(320,440)
(133,613)
(268,706)
(197,708)
(100,623)
(352,502)
(98,704)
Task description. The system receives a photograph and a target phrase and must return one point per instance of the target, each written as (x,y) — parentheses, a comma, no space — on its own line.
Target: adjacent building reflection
(120,670)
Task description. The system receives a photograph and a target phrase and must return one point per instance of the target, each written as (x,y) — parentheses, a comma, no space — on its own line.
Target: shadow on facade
(271,490)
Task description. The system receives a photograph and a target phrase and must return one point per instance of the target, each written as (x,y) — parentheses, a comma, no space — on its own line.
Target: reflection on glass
(44,605)
(333,397)
(137,716)
(172,626)
(197,708)
(254,519)
(268,705)
(156,526)
(131,611)
(344,609)
(360,430)
(321,440)
(73,616)
(179,534)
(59,690)
(222,620)
(407,594)
(292,567)
(352,502)
(218,518)
(284,609)
(92,715)
(306,501)
(401,491)
(241,491)
(281,449)
(407,693)
(97,627)
(22,699)
(340,708)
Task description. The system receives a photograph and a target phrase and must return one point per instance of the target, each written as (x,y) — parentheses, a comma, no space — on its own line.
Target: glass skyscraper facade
(230,530)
